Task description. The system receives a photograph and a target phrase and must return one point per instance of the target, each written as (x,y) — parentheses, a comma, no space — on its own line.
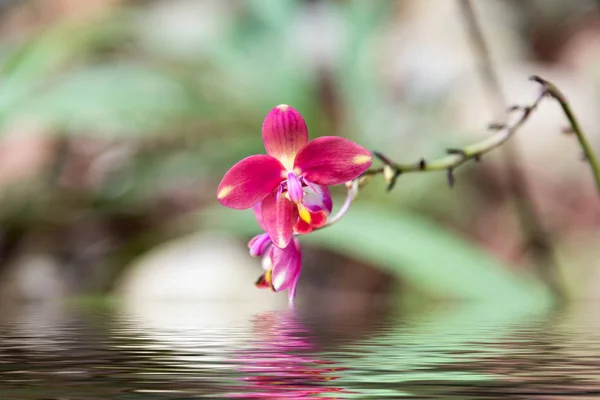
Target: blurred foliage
(432,260)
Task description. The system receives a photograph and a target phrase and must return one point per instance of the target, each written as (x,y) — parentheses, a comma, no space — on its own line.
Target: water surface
(179,351)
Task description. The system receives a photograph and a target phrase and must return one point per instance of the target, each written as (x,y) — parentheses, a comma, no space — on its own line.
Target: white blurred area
(208,267)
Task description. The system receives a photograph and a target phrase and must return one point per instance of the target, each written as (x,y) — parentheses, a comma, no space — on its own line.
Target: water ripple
(182,352)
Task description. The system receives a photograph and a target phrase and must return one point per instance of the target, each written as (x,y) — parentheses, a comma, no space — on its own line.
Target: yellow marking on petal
(282,107)
(265,280)
(288,163)
(361,159)
(269,279)
(224,192)
(304,213)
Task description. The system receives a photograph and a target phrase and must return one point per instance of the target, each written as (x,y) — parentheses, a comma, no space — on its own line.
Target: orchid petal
(294,188)
(249,181)
(284,133)
(292,290)
(258,244)
(317,198)
(287,263)
(332,160)
(257,210)
(279,216)
(267,260)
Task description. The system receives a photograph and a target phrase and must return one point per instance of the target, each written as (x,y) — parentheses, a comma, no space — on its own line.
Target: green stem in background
(590,156)
(536,239)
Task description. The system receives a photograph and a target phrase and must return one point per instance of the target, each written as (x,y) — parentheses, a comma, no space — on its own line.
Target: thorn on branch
(546,86)
(361,182)
(513,108)
(422,164)
(383,158)
(539,80)
(389,173)
(393,181)
(460,152)
(450,177)
(496,126)
(568,130)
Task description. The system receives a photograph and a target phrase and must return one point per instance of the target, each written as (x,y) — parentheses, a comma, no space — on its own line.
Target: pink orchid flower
(292,176)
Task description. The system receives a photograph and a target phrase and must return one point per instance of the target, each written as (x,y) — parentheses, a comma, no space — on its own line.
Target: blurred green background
(118,119)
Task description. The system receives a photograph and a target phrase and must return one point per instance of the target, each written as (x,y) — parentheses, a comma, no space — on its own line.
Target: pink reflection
(280,362)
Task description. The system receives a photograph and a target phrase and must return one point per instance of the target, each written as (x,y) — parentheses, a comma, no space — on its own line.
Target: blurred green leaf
(430,258)
(275,13)
(29,65)
(122,98)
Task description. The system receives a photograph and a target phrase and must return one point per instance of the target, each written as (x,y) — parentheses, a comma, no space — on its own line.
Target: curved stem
(590,156)
(352,193)
(457,157)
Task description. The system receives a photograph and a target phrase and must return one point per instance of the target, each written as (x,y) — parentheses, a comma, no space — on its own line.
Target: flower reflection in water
(279,363)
